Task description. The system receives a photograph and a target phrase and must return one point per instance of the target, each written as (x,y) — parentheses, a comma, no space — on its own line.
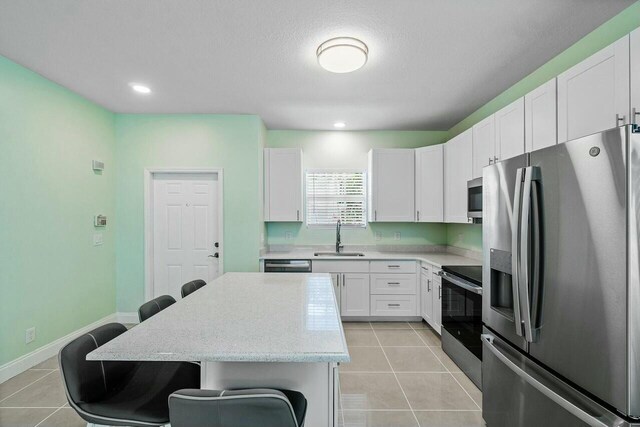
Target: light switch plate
(378,236)
(397,235)
(288,235)
(98,239)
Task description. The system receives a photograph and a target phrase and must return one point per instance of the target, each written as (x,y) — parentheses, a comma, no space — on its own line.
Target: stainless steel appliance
(462,318)
(474,200)
(561,277)
(287,266)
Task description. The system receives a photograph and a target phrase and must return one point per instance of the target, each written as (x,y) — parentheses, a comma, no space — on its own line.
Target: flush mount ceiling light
(342,54)
(140,88)
(339,125)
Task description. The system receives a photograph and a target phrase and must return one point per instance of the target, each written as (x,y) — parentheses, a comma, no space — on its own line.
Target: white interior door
(185,230)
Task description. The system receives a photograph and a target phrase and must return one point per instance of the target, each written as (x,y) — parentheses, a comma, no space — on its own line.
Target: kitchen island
(269,330)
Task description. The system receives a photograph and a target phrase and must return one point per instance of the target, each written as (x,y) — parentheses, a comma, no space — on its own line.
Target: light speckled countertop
(435,258)
(241,317)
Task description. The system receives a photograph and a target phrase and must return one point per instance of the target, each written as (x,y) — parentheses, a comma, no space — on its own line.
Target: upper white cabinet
(457,171)
(430,184)
(484,144)
(594,94)
(510,131)
(635,76)
(283,184)
(391,185)
(540,120)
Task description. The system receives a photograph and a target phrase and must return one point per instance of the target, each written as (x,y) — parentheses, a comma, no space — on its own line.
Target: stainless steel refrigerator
(561,277)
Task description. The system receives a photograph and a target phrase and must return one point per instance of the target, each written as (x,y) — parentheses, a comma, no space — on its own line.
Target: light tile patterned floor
(399,377)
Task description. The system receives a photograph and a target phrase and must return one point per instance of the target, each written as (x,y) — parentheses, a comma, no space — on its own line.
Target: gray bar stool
(191,287)
(120,393)
(155,306)
(237,408)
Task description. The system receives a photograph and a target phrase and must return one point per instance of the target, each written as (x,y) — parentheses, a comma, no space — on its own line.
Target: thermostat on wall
(100,221)
(97,165)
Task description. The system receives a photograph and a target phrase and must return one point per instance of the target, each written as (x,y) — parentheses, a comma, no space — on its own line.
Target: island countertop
(241,317)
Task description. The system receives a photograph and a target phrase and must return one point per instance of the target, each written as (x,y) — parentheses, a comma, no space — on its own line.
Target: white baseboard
(128,317)
(29,360)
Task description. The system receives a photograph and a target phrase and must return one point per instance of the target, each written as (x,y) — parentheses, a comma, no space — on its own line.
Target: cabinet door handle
(634,114)
(418,215)
(428,285)
(393,283)
(393,305)
(620,118)
(393,266)
(375,215)
(490,160)
(495,160)
(343,284)
(298,215)
(439,292)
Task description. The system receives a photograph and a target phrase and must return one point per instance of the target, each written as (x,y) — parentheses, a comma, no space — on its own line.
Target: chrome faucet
(338,245)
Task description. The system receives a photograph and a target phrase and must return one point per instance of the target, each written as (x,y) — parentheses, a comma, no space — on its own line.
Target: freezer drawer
(518,392)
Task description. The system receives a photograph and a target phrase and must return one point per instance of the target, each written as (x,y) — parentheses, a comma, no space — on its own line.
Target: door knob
(216,244)
(216,255)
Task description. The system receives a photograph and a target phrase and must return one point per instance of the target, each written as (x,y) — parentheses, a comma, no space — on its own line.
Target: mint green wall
(232,142)
(348,150)
(470,236)
(52,277)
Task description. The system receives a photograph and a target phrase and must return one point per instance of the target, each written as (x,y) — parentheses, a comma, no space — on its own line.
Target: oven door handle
(461,284)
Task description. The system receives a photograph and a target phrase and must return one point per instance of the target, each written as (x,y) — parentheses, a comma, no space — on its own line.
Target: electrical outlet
(30,335)
(288,235)
(98,239)
(378,236)
(397,235)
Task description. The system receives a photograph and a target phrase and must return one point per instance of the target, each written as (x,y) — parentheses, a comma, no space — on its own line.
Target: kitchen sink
(338,254)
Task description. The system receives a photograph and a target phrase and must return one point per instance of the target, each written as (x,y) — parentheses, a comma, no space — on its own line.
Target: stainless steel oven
(462,318)
(474,200)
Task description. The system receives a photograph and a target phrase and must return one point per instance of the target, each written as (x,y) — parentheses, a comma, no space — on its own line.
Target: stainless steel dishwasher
(287,266)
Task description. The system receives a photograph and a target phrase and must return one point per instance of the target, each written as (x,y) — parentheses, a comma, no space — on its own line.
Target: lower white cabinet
(354,294)
(393,305)
(393,284)
(437,301)
(426,294)
(431,296)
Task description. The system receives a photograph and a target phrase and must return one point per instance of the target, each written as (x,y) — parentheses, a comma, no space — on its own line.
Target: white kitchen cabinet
(283,185)
(426,294)
(484,144)
(394,305)
(594,95)
(430,183)
(540,117)
(391,185)
(437,300)
(355,297)
(509,123)
(635,76)
(336,279)
(393,284)
(458,160)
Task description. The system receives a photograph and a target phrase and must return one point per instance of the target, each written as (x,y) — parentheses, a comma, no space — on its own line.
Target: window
(336,195)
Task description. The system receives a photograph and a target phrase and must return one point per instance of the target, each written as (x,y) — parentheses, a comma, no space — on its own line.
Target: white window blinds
(335,195)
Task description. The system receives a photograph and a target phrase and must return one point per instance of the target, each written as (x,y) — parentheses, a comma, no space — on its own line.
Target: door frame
(149,177)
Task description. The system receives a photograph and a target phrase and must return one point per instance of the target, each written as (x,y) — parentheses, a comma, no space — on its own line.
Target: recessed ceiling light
(137,87)
(339,125)
(342,54)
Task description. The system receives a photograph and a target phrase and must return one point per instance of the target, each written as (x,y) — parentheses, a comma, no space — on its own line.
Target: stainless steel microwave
(474,200)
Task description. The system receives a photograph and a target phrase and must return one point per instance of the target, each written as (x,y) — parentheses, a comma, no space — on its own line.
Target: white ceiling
(431,63)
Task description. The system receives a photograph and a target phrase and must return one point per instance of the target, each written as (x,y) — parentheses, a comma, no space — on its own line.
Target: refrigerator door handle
(523,268)
(589,419)
(536,257)
(515,252)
